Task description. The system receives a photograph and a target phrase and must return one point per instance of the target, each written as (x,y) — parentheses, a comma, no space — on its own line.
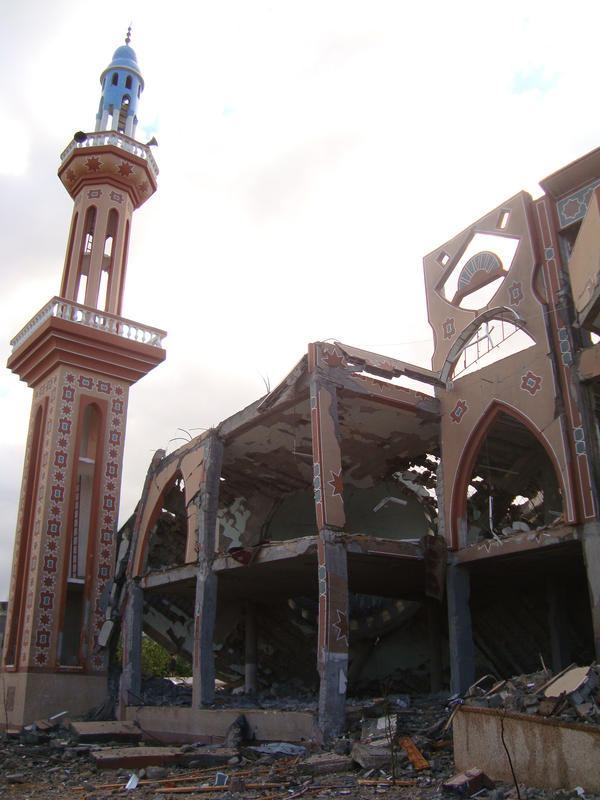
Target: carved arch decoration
(497,312)
(458,499)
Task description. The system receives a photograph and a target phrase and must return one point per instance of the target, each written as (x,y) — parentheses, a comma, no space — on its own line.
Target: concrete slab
(134,757)
(546,753)
(185,724)
(106,731)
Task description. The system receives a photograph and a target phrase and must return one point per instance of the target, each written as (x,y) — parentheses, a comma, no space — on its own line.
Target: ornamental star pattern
(93,164)
(125,169)
(531,383)
(333,359)
(336,482)
(341,627)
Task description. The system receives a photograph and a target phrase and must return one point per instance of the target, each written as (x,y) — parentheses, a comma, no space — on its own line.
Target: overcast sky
(311,152)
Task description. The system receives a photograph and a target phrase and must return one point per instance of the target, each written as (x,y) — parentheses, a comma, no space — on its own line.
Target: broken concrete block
(210,755)
(325,763)
(237,732)
(370,756)
(110,731)
(105,632)
(468,782)
(133,757)
(379,728)
(578,682)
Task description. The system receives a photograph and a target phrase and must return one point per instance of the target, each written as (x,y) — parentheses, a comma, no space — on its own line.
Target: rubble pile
(572,695)
(397,746)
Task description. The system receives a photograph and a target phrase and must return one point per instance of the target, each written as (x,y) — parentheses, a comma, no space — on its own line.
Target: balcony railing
(90,318)
(100,138)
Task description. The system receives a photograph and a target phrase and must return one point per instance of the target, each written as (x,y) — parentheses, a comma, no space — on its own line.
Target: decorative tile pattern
(579,438)
(515,293)
(565,346)
(448,328)
(458,412)
(572,208)
(531,383)
(53,548)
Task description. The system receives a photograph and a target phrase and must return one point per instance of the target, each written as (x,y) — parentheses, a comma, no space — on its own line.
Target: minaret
(80,356)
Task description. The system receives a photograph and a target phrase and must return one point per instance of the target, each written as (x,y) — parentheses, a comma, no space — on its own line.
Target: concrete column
(434,625)
(462,654)
(203,692)
(591,556)
(333,634)
(558,623)
(131,678)
(250,683)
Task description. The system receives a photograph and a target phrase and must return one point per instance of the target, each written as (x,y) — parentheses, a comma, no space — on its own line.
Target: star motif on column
(341,626)
(93,164)
(125,169)
(336,482)
(332,358)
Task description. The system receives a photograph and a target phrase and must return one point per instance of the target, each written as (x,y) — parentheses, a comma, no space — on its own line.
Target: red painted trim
(583,496)
(94,527)
(14,635)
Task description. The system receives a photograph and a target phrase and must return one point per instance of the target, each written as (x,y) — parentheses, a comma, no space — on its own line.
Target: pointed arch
(501,313)
(493,415)
(162,498)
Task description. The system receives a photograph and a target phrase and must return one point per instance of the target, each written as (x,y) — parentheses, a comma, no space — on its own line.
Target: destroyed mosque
(351,529)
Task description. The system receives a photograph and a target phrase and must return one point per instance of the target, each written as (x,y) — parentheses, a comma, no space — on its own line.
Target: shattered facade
(344,512)
(353,528)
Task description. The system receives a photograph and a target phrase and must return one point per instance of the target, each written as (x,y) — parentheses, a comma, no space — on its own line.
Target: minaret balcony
(64,332)
(101,138)
(109,157)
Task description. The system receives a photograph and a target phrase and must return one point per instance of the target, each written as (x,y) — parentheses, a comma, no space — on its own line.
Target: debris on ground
(407,760)
(572,695)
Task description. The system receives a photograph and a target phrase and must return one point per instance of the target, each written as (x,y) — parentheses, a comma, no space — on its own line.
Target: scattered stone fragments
(572,695)
(468,782)
(58,766)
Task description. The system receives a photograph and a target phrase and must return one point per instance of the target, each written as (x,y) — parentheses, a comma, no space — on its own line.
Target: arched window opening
(128,82)
(123,113)
(477,276)
(115,78)
(86,254)
(106,274)
(168,537)
(14,635)
(83,514)
(494,340)
(513,485)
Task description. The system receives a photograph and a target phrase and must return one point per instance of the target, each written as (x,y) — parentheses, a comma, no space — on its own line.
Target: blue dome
(124,58)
